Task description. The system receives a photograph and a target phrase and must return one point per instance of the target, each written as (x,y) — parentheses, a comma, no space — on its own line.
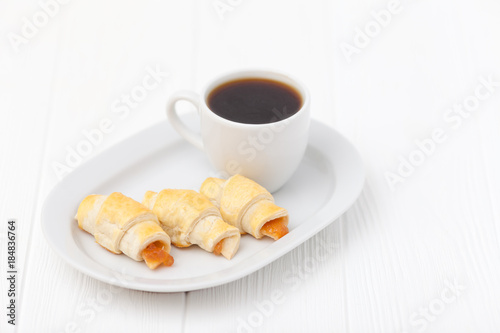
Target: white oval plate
(326,184)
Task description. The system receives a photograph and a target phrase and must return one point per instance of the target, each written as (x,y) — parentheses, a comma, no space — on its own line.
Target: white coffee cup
(267,153)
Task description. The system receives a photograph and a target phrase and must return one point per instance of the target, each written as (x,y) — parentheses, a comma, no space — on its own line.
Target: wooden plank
(405,247)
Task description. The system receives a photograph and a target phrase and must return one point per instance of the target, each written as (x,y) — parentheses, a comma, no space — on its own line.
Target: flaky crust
(243,203)
(190,218)
(88,210)
(117,215)
(120,224)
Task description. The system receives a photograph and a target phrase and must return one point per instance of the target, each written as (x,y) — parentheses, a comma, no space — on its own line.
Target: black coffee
(254,101)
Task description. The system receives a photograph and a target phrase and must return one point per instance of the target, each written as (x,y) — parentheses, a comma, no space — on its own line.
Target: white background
(396,251)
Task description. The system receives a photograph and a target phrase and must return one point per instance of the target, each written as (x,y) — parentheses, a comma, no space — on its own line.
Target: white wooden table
(413,84)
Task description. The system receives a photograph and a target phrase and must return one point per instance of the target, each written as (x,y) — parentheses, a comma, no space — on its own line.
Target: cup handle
(191,97)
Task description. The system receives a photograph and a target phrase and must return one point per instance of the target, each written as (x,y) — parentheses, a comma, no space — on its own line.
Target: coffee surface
(254,101)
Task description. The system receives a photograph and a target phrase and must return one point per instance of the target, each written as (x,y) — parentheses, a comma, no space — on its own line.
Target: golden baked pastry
(247,205)
(121,224)
(190,218)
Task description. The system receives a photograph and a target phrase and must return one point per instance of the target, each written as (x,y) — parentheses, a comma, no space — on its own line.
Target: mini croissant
(247,205)
(121,224)
(190,218)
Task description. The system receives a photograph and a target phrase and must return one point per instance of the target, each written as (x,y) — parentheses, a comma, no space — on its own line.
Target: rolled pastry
(247,205)
(121,224)
(190,218)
